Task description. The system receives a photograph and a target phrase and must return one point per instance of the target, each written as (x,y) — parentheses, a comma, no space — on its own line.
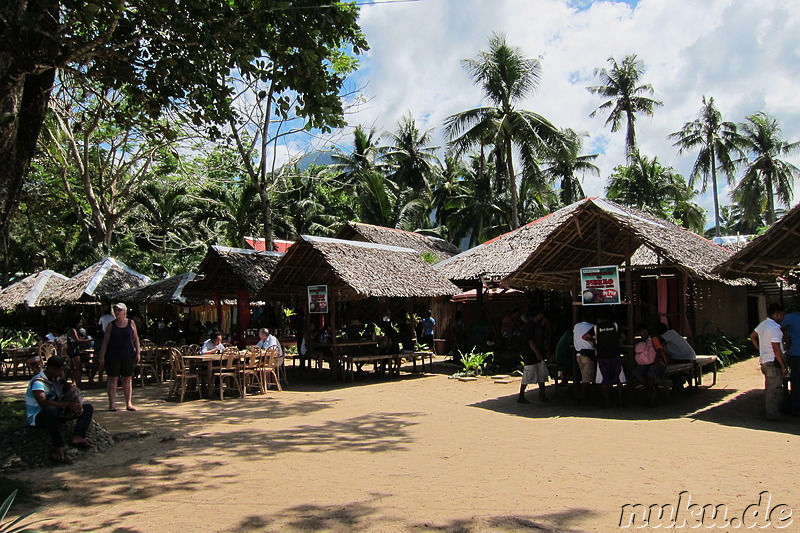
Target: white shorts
(535,373)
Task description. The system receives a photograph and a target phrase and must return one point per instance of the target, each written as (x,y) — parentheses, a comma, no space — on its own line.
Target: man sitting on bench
(678,350)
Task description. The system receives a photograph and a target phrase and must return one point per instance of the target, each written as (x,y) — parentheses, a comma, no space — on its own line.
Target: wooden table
(208,360)
(340,349)
(18,359)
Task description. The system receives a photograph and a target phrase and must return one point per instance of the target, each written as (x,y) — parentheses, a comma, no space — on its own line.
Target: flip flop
(112,409)
(130,409)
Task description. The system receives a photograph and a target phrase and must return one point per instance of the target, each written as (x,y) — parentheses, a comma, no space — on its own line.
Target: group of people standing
(50,398)
(777,339)
(598,352)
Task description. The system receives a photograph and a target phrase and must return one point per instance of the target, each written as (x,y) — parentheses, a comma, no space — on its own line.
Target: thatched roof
(768,256)
(165,291)
(356,231)
(27,291)
(549,252)
(100,282)
(225,271)
(354,270)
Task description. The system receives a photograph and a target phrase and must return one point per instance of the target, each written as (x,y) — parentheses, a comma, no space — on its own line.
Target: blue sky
(743,53)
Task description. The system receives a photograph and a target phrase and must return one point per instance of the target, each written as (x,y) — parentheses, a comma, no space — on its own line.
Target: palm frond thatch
(28,290)
(354,270)
(97,283)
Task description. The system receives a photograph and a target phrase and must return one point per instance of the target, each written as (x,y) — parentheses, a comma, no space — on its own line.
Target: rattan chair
(269,368)
(182,376)
(146,365)
(252,372)
(228,371)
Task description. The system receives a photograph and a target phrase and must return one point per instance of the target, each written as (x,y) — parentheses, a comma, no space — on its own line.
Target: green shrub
(474,363)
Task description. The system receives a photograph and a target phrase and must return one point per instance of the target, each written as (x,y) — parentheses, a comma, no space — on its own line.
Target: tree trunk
(770,202)
(630,138)
(512,184)
(716,197)
(23,106)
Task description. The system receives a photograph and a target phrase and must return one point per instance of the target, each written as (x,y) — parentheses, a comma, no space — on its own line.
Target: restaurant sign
(600,285)
(317,298)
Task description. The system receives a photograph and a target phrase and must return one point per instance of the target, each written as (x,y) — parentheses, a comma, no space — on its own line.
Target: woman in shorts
(120,353)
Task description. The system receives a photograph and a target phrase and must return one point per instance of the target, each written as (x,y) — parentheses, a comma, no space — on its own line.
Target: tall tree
(163,54)
(767,176)
(644,184)
(621,85)
(102,162)
(506,78)
(718,144)
(410,160)
(564,164)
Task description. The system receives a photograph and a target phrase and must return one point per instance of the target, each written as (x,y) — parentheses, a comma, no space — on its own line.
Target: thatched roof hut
(226,271)
(438,249)
(768,256)
(27,291)
(100,282)
(165,291)
(548,252)
(354,270)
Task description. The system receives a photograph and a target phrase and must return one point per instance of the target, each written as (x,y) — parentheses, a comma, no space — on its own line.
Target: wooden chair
(227,371)
(182,376)
(44,351)
(269,368)
(147,365)
(252,370)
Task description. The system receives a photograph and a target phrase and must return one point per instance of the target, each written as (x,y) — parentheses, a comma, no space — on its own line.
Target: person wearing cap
(119,354)
(47,405)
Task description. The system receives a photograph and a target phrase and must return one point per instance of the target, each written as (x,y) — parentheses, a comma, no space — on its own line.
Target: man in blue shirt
(791,326)
(47,406)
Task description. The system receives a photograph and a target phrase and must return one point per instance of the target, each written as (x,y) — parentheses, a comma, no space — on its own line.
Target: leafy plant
(474,363)
(14,526)
(727,350)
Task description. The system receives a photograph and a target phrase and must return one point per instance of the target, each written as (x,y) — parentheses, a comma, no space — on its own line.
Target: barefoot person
(47,406)
(120,353)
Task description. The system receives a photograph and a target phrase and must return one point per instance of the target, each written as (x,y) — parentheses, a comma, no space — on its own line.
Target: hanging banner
(600,285)
(317,298)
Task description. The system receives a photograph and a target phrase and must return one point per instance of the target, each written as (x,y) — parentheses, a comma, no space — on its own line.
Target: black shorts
(120,367)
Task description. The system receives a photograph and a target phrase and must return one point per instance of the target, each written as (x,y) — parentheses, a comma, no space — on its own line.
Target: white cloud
(743,53)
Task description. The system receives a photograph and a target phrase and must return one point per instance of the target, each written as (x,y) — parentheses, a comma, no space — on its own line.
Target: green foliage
(16,525)
(17,339)
(713,342)
(474,363)
(12,414)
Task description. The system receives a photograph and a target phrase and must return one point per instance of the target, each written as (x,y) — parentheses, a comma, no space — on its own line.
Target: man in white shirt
(267,340)
(105,320)
(768,339)
(587,362)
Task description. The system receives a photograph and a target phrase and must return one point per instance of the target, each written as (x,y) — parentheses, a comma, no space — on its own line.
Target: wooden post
(629,288)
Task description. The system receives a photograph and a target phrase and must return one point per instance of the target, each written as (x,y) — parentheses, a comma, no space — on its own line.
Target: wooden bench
(694,369)
(350,361)
(421,356)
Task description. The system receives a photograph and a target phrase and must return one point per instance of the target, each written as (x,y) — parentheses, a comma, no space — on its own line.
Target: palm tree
(620,84)
(165,215)
(351,166)
(564,165)
(412,162)
(234,208)
(718,142)
(506,78)
(643,184)
(477,212)
(766,175)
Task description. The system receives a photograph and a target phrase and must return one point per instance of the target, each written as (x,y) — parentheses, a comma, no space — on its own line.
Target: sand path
(418,453)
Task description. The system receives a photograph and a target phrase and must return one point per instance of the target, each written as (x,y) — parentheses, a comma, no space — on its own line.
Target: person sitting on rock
(48,402)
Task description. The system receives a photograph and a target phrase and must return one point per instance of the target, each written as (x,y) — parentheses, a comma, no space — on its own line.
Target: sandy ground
(420,452)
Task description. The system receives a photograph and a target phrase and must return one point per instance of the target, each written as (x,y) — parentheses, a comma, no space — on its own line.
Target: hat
(57,363)
(120,305)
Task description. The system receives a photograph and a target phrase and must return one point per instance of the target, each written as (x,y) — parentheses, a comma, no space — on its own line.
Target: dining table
(342,349)
(206,362)
(17,359)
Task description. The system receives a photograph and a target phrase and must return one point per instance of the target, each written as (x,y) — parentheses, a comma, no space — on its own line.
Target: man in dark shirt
(535,367)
